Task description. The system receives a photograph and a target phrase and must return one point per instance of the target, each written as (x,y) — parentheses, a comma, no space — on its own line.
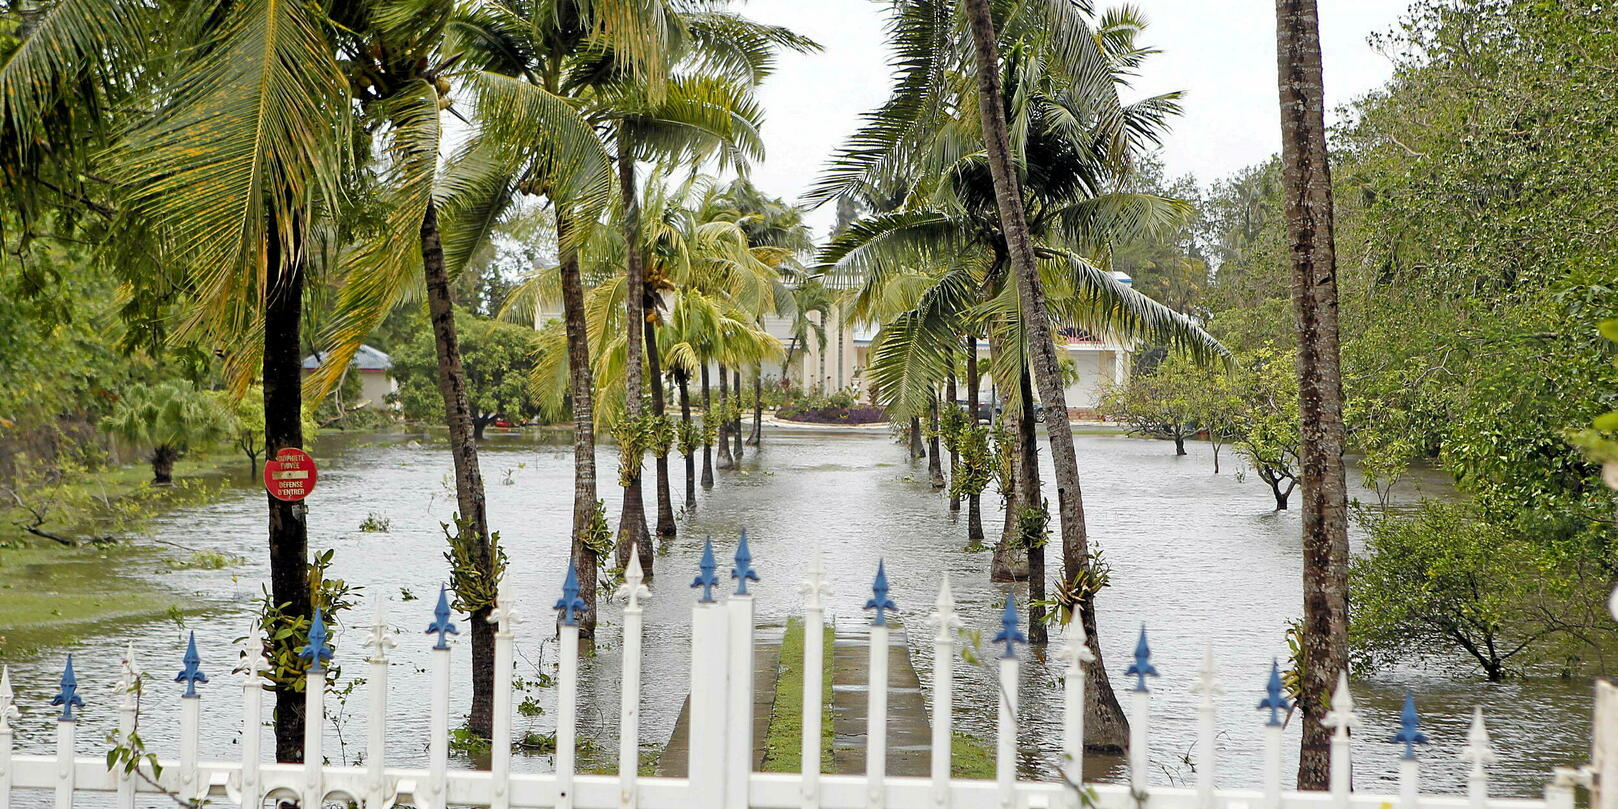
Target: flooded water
(1196,557)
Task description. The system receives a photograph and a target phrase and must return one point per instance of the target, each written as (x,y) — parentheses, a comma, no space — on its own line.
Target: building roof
(365,359)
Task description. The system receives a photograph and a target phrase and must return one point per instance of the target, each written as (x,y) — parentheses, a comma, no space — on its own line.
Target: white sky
(1221,53)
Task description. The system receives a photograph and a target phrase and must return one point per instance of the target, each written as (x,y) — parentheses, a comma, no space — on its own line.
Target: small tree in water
(172,418)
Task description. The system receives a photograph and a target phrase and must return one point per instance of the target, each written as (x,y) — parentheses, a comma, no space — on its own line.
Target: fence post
(946,622)
(254,665)
(1604,747)
(1075,653)
(706,732)
(567,695)
(317,652)
(632,591)
(69,699)
(8,712)
(128,704)
(1409,735)
(1140,705)
(739,735)
(1207,686)
(379,640)
(814,588)
(438,720)
(505,617)
(1477,753)
(1276,701)
(876,693)
(190,718)
(1342,720)
(1005,759)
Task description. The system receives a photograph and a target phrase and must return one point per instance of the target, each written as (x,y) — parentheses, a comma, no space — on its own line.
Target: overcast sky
(1220,53)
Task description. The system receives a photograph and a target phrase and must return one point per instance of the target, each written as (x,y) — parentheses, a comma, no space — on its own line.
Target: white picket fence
(721,744)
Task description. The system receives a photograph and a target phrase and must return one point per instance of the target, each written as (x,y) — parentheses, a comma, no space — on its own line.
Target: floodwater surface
(1197,558)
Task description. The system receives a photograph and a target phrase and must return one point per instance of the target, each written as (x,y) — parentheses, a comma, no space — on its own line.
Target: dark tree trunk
(917,448)
(665,502)
(758,408)
(726,460)
(683,379)
(974,502)
(707,418)
(463,449)
(163,459)
(736,426)
(283,428)
(935,456)
(581,391)
(1179,444)
(1105,726)
(1033,498)
(954,456)
(479,425)
(632,519)
(1009,562)
(1306,186)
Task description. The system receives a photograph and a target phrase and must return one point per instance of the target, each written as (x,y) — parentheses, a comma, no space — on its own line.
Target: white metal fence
(720,731)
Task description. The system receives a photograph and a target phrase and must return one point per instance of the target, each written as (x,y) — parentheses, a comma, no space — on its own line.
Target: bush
(839,407)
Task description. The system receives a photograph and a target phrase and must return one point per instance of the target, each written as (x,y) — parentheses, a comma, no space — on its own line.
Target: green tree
(171,418)
(1264,428)
(497,359)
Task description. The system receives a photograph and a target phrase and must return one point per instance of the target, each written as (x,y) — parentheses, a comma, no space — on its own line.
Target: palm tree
(1031,272)
(1306,179)
(171,418)
(232,176)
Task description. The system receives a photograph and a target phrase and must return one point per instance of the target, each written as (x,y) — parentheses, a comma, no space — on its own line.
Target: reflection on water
(1196,557)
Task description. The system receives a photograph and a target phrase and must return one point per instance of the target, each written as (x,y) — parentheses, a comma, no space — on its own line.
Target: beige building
(375,372)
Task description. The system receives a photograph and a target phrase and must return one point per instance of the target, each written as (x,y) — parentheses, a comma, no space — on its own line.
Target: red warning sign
(290,475)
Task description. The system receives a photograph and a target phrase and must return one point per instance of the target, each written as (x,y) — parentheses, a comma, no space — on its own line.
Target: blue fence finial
(69,697)
(441,623)
(879,600)
(1010,635)
(1274,697)
(316,651)
(743,571)
(1409,729)
(192,673)
(1142,667)
(707,579)
(569,605)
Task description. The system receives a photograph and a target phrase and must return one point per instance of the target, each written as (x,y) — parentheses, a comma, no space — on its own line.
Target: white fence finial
(1075,651)
(128,680)
(944,618)
(634,588)
(814,587)
(505,614)
(380,637)
(1341,718)
(8,699)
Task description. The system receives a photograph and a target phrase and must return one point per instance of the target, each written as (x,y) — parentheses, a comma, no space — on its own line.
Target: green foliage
(170,418)
(977,459)
(636,437)
(1264,427)
(475,571)
(286,633)
(1445,579)
(1004,459)
(598,537)
(375,523)
(497,357)
(689,435)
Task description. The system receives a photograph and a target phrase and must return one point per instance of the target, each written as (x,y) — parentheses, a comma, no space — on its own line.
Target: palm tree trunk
(683,379)
(1306,184)
(283,427)
(954,457)
(665,503)
(1033,499)
(1105,725)
(163,458)
(463,448)
(632,519)
(707,446)
(581,392)
(736,426)
(974,501)
(726,461)
(917,448)
(935,457)
(1009,562)
(758,407)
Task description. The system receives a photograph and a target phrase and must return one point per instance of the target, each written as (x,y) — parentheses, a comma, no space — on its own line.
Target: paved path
(909,733)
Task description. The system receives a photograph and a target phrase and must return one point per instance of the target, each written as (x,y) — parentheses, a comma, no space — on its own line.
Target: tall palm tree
(233,175)
(1306,180)
(956,177)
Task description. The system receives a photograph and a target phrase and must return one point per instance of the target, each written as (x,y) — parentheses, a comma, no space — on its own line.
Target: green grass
(783,747)
(969,758)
